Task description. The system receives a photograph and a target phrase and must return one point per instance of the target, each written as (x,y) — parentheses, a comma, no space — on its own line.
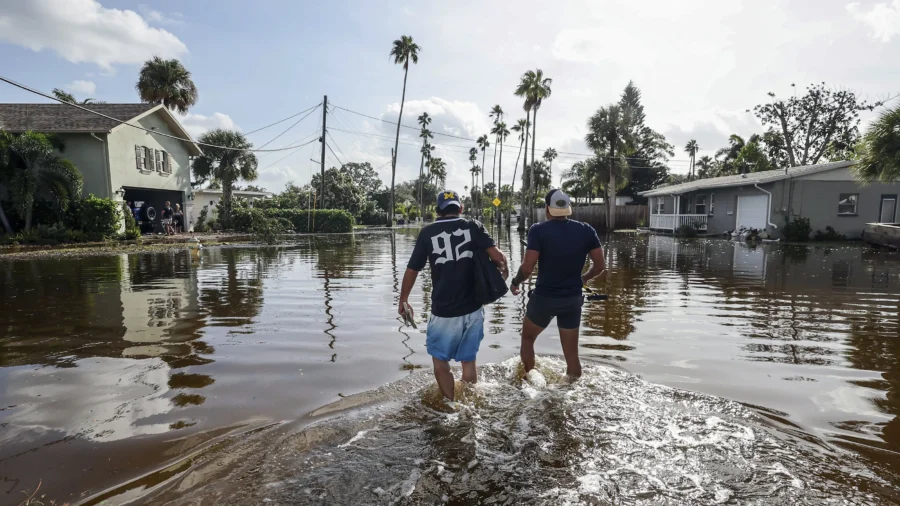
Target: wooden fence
(627,217)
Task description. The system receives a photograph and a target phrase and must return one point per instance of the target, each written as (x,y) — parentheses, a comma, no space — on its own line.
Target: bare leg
(444,377)
(530,332)
(470,373)
(569,340)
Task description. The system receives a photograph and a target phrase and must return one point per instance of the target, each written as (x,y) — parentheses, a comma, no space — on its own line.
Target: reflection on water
(111,367)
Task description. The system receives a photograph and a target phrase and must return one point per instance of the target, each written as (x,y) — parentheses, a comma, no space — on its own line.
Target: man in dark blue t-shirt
(456,326)
(559,247)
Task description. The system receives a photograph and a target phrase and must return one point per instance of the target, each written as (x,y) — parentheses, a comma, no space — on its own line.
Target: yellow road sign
(496,202)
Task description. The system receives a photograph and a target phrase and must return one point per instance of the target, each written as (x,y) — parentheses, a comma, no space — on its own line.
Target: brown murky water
(117,368)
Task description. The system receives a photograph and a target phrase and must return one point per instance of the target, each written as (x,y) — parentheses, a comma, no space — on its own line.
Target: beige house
(118,161)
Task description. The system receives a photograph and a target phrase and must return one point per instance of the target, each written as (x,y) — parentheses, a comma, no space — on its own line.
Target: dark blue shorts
(566,310)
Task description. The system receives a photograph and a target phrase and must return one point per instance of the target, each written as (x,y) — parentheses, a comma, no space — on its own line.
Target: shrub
(371,214)
(830,234)
(328,221)
(267,230)
(797,230)
(201,225)
(98,218)
(687,230)
(429,216)
(131,227)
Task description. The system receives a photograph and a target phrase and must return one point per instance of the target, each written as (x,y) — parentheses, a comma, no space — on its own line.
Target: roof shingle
(65,118)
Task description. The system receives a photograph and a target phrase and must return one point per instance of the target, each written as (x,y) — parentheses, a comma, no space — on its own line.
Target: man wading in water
(456,326)
(559,246)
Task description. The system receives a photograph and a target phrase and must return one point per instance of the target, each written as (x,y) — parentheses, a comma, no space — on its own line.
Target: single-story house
(116,160)
(210,198)
(827,194)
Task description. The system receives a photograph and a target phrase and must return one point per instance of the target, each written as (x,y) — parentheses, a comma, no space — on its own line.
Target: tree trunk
(499,185)
(397,145)
(611,191)
(524,168)
(494,171)
(533,144)
(422,184)
(5,221)
(481,194)
(227,193)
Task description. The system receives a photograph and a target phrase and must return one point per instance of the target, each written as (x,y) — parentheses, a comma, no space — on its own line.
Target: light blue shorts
(456,338)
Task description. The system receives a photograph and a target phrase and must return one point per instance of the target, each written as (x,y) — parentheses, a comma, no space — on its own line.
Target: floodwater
(715,373)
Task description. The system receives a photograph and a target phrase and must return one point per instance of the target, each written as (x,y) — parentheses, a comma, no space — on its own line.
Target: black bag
(489,282)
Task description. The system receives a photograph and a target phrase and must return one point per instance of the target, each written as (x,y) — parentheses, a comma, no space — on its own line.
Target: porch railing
(673,221)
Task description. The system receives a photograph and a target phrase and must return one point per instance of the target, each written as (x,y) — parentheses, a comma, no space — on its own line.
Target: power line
(293,150)
(334,155)
(290,127)
(154,132)
(336,144)
(283,120)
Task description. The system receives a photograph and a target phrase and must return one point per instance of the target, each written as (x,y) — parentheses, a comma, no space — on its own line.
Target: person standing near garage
(167,216)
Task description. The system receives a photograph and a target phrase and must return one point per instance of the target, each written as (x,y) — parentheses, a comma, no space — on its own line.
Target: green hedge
(98,218)
(327,221)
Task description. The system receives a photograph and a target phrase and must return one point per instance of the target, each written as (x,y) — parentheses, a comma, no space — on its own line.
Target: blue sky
(700,64)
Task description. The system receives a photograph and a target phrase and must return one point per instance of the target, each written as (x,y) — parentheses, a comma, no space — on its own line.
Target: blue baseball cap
(448,198)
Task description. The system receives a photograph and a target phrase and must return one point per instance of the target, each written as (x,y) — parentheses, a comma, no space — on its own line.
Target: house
(827,194)
(116,160)
(209,199)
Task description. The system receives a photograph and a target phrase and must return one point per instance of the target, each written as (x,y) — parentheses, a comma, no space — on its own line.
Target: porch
(672,222)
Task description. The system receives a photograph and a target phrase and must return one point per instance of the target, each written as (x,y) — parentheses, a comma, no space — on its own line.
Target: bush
(797,230)
(687,230)
(429,216)
(98,218)
(201,225)
(830,234)
(266,229)
(327,221)
(131,227)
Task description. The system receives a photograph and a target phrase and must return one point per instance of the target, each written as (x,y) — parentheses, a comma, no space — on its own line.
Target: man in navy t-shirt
(456,326)
(559,247)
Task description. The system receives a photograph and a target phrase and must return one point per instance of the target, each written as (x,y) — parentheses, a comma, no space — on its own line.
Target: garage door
(752,211)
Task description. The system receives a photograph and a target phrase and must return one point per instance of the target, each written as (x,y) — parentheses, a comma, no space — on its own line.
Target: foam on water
(609,437)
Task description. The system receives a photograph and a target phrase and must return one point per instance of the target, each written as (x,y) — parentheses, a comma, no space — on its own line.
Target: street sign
(496,202)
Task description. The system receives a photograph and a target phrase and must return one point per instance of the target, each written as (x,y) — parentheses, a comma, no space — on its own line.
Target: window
(660,205)
(700,204)
(158,157)
(140,157)
(712,203)
(165,162)
(847,204)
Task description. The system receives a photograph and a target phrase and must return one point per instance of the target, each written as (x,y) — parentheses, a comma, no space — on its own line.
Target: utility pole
(322,185)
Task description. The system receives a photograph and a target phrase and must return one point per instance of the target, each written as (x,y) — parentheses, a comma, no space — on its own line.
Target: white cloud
(882,18)
(198,124)
(81,88)
(155,16)
(83,31)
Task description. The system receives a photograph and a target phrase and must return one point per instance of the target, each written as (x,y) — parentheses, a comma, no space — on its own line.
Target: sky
(701,65)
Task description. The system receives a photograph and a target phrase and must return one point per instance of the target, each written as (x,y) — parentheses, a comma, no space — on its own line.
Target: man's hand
(401,308)
(515,289)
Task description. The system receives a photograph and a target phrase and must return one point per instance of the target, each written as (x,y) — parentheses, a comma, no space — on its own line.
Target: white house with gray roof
(117,160)
(825,193)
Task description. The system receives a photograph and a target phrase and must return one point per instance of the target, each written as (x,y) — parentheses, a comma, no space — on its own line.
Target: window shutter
(165,160)
(138,154)
(152,156)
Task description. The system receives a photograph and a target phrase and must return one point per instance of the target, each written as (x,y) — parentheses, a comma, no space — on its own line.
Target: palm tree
(576,180)
(497,114)
(502,133)
(68,97)
(705,167)
(226,165)
(534,87)
(609,130)
(483,144)
(403,51)
(28,166)
(550,155)
(880,150)
(473,156)
(521,127)
(167,82)
(425,134)
(691,149)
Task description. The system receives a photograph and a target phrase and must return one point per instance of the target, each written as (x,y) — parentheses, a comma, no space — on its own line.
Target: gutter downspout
(105,165)
(768,207)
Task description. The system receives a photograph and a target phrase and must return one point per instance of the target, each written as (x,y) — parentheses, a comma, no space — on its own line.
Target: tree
(425,134)
(880,150)
(823,123)
(752,157)
(705,167)
(727,157)
(550,154)
(501,132)
(576,181)
(521,127)
(68,97)
(647,153)
(542,180)
(535,88)
(254,188)
(609,132)
(167,82)
(342,190)
(229,164)
(497,115)
(363,175)
(29,167)
(473,156)
(691,149)
(483,144)
(403,51)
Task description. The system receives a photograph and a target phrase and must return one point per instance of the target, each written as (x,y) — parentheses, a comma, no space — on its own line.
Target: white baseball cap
(558,203)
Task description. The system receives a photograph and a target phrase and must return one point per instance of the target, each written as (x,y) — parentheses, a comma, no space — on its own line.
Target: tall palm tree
(880,160)
(167,82)
(691,149)
(425,134)
(521,127)
(609,131)
(403,51)
(705,166)
(550,154)
(502,133)
(473,157)
(226,165)
(483,144)
(535,88)
(497,114)
(28,166)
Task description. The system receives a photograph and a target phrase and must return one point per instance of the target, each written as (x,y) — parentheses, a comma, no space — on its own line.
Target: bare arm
(525,270)
(499,260)
(409,279)
(598,266)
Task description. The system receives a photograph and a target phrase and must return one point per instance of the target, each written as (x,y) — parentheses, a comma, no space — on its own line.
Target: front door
(888,209)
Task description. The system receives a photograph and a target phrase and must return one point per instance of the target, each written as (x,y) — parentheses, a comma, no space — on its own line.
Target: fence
(626,216)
